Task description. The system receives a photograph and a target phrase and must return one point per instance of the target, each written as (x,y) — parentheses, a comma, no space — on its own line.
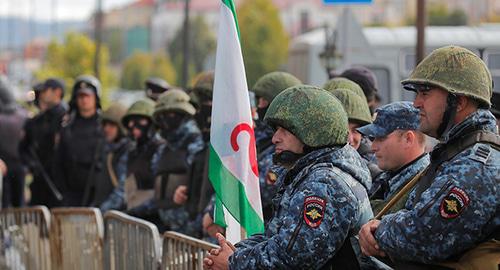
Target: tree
(75,57)
(140,65)
(201,46)
(438,15)
(263,39)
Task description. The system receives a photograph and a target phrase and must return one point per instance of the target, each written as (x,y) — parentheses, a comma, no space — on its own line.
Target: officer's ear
(408,137)
(465,103)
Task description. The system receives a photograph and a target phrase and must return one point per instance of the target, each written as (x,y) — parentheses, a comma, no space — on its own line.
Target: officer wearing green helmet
(177,195)
(457,197)
(201,98)
(140,171)
(322,198)
(358,115)
(108,189)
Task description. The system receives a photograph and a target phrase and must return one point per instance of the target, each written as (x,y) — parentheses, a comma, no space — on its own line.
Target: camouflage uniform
(173,114)
(394,116)
(459,208)
(117,151)
(321,200)
(426,232)
(187,135)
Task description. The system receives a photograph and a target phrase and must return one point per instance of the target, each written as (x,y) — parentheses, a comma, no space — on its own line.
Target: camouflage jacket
(320,203)
(457,211)
(389,183)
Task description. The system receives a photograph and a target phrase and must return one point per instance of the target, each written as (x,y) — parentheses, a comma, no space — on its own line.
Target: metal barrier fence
(76,238)
(24,238)
(183,252)
(130,243)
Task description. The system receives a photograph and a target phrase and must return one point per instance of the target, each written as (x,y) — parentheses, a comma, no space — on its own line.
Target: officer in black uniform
(81,142)
(37,148)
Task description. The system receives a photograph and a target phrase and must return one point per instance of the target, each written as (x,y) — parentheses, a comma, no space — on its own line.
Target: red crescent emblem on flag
(251,146)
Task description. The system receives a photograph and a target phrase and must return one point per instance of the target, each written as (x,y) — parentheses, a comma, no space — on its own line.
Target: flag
(233,161)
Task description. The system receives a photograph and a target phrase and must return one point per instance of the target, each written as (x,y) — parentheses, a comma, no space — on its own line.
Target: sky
(65,9)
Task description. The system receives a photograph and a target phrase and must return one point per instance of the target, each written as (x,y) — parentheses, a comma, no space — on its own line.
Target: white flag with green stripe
(233,163)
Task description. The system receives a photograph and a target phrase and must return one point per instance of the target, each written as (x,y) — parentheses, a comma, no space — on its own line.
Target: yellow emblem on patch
(313,214)
(451,205)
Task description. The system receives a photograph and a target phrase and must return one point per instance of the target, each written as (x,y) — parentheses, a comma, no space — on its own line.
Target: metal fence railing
(130,243)
(183,252)
(76,238)
(24,238)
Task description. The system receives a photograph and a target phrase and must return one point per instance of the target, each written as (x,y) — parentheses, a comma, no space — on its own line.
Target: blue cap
(397,115)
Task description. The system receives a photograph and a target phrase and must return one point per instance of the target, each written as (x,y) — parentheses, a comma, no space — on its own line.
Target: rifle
(45,175)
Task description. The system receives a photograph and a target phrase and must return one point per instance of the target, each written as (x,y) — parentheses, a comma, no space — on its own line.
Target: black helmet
(86,83)
(155,87)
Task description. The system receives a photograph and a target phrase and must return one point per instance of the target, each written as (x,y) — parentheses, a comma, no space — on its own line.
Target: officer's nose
(417,103)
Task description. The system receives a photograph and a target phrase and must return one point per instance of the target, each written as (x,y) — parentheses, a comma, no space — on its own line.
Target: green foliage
(202,44)
(140,65)
(74,57)
(439,15)
(263,38)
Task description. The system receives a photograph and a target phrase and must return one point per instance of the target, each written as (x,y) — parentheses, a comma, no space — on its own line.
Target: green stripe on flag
(230,5)
(232,194)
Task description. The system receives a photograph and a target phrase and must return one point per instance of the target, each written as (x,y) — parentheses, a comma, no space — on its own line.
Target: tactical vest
(107,180)
(139,164)
(480,257)
(172,172)
(139,185)
(200,189)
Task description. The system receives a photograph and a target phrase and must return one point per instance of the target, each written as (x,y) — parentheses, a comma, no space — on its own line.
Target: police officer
(155,87)
(109,184)
(139,185)
(266,89)
(455,204)
(359,115)
(81,142)
(37,148)
(176,196)
(321,201)
(201,97)
(400,151)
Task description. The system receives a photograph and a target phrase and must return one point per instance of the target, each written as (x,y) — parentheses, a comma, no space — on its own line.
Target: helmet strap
(448,115)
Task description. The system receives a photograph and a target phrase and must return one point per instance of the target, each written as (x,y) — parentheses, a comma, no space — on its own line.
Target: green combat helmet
(143,107)
(312,114)
(344,83)
(456,70)
(356,107)
(174,100)
(271,84)
(114,114)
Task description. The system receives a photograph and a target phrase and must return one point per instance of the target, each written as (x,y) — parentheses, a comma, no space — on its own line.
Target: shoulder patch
(481,153)
(454,203)
(314,210)
(271,177)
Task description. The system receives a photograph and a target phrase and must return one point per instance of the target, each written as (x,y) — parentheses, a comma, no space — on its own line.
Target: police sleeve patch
(314,210)
(454,203)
